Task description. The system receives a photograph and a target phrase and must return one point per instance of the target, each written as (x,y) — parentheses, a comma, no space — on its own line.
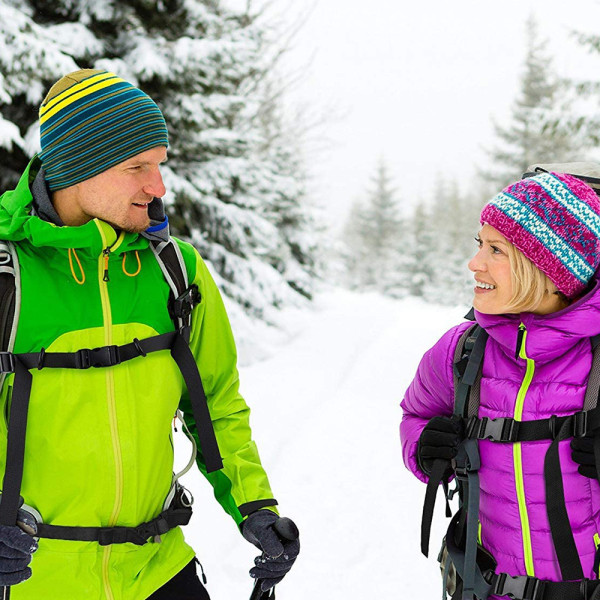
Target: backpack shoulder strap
(467,364)
(183,297)
(593,386)
(10,297)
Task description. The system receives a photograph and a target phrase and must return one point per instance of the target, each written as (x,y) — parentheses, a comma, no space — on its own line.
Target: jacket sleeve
(430,394)
(241,486)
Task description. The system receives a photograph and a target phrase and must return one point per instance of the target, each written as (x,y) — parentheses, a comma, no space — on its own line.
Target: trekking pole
(286,529)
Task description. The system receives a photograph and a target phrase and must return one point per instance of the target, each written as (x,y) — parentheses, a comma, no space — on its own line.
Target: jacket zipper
(106,256)
(110,389)
(517,456)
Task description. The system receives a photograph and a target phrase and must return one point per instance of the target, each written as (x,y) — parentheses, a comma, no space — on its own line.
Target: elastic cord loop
(138,262)
(82,280)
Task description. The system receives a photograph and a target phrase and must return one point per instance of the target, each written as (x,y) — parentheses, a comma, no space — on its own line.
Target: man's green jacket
(99,446)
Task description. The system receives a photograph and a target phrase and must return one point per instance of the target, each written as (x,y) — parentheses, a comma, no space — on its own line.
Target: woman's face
(491,267)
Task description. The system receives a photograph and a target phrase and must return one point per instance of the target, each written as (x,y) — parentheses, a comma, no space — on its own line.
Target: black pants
(184,586)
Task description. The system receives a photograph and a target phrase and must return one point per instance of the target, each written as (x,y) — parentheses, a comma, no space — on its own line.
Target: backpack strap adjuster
(7,362)
(580,424)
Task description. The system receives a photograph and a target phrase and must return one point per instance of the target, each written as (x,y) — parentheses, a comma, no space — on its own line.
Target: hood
(23,217)
(548,336)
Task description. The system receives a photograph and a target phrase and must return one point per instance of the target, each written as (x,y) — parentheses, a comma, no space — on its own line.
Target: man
(90,449)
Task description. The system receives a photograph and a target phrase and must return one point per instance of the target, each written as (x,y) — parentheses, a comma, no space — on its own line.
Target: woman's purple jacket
(514,523)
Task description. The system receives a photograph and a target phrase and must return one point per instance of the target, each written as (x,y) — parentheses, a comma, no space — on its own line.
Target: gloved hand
(440,439)
(16,549)
(582,452)
(278,552)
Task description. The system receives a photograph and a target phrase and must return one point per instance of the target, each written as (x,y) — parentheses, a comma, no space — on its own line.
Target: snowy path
(325,417)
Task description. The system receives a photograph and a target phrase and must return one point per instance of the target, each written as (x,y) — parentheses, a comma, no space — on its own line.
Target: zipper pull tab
(106,254)
(520,336)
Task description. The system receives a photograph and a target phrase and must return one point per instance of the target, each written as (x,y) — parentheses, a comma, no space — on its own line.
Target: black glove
(583,454)
(16,549)
(279,552)
(440,439)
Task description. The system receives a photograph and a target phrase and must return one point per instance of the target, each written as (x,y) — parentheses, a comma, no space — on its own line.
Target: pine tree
(285,192)
(420,267)
(536,132)
(442,234)
(374,237)
(204,65)
(356,251)
(584,122)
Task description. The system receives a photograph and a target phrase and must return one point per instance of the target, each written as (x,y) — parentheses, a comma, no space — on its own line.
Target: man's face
(120,195)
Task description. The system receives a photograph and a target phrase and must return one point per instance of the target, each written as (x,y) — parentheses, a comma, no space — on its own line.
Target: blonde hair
(530,284)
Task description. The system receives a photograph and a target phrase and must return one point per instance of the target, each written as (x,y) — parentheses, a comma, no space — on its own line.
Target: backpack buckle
(521,587)
(104,356)
(502,429)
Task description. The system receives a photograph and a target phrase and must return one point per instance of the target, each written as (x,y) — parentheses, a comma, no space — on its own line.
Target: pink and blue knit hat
(554,220)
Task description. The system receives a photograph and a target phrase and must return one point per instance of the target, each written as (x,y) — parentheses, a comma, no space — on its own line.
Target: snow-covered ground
(325,416)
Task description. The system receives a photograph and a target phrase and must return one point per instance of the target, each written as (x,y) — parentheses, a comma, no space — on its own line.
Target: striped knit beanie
(554,220)
(92,120)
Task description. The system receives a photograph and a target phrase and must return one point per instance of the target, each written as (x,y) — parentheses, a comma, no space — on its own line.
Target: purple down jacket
(550,381)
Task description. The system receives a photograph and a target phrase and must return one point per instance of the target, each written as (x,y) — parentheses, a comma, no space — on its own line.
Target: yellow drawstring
(138,261)
(82,281)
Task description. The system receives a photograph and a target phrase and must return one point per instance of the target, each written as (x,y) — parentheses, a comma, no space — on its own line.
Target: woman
(538,300)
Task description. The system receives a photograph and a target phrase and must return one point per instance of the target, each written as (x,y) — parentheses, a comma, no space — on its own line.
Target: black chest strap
(509,430)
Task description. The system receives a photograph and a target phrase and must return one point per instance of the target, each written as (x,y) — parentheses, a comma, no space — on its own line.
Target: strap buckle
(502,429)
(104,356)
(521,587)
(580,424)
(182,307)
(156,527)
(7,362)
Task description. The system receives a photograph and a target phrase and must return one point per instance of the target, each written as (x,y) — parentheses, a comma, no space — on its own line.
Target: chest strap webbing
(104,356)
(167,520)
(508,430)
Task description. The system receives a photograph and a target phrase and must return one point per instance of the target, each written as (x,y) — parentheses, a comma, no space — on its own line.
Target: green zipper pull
(106,254)
(520,336)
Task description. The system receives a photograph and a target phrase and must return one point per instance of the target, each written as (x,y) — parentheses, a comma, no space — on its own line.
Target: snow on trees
(241,204)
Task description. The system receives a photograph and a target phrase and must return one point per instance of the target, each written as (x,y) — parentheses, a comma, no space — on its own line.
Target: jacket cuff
(250,507)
